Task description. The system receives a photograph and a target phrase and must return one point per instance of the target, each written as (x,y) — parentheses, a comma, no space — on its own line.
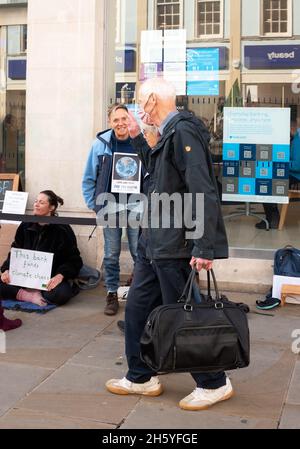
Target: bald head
(162,88)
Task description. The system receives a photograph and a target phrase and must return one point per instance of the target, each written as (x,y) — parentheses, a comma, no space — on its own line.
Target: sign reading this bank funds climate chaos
(256,155)
(30,269)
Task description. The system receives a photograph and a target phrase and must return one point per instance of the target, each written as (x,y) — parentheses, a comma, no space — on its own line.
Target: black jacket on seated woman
(51,238)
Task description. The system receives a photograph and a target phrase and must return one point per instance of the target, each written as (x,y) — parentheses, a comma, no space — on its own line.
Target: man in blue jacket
(97,180)
(180,164)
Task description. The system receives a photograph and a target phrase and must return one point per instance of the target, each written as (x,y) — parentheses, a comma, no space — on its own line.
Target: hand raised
(133,126)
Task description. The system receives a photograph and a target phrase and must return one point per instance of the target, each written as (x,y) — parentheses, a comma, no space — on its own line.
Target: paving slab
(28,419)
(96,407)
(45,357)
(58,328)
(106,352)
(17,381)
(275,326)
(36,343)
(264,357)
(293,397)
(262,396)
(148,415)
(79,392)
(78,379)
(290,417)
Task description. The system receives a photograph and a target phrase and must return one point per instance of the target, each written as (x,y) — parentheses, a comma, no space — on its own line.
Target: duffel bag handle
(187,298)
(212,273)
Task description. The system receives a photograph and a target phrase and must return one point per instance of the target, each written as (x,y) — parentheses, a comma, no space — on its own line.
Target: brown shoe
(112,305)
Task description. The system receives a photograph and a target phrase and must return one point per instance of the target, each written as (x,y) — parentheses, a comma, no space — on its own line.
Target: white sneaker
(123,293)
(123,386)
(201,399)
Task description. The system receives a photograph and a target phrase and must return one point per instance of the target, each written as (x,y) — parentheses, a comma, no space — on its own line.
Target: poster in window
(203,65)
(256,155)
(175,46)
(151,46)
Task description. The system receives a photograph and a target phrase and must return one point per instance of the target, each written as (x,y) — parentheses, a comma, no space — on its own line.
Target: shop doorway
(12,151)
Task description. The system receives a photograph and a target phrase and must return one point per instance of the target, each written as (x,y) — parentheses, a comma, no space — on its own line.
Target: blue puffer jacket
(295,156)
(97,172)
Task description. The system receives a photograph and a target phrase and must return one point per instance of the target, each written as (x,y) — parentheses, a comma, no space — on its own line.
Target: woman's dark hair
(53,199)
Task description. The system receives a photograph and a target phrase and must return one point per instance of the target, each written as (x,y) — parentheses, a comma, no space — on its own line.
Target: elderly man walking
(179,163)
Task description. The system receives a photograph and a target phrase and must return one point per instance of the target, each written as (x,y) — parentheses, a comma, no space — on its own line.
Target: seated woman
(51,238)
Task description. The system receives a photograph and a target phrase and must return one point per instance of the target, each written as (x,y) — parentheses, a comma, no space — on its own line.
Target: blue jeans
(112,251)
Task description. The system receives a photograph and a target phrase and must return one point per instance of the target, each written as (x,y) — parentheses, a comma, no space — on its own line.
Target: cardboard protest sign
(30,269)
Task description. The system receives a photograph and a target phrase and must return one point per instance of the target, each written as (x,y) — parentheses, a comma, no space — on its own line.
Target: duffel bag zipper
(174,306)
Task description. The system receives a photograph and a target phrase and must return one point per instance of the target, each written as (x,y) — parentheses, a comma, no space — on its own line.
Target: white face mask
(145,116)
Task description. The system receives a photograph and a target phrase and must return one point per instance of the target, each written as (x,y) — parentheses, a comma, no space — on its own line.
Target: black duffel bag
(186,337)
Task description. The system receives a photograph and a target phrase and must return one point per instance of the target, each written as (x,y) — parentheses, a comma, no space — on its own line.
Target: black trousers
(155,283)
(58,296)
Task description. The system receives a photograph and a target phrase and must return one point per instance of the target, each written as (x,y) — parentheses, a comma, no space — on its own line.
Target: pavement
(54,372)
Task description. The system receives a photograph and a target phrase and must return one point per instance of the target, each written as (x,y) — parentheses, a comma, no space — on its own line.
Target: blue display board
(256,155)
(203,65)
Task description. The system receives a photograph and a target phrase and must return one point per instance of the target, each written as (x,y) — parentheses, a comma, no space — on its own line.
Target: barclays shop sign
(272,56)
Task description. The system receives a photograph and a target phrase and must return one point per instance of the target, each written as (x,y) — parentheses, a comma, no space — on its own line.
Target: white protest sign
(126,175)
(14,203)
(30,269)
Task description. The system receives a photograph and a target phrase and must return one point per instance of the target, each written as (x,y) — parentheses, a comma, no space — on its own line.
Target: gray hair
(159,86)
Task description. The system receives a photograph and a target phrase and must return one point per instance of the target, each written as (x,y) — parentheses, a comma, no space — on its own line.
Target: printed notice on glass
(203,71)
(264,126)
(175,73)
(30,269)
(14,203)
(175,46)
(151,46)
(126,175)
(256,155)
